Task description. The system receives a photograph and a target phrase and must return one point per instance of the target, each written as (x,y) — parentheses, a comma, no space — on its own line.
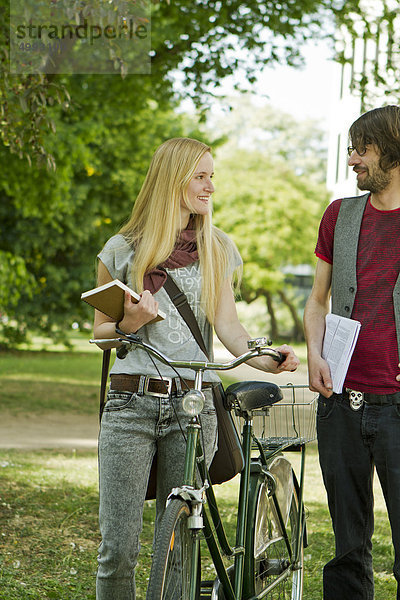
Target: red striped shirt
(374,365)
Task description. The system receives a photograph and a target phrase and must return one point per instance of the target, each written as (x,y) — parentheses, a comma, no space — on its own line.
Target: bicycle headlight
(193,402)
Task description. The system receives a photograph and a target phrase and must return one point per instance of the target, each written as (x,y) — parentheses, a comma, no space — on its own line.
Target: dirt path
(61,430)
(51,430)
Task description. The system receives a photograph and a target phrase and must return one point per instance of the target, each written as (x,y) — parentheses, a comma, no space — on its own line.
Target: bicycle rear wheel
(270,557)
(173,556)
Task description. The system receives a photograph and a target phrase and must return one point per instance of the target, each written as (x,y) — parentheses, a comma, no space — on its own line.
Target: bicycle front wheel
(271,562)
(173,556)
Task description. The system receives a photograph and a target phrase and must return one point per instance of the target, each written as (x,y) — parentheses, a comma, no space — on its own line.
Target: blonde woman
(171,227)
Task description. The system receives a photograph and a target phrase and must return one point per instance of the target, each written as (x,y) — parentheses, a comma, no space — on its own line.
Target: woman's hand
(137,314)
(290,363)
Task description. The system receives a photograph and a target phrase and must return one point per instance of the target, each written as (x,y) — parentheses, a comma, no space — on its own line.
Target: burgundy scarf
(184,253)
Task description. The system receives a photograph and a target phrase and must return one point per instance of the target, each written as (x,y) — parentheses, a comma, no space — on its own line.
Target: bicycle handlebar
(132,341)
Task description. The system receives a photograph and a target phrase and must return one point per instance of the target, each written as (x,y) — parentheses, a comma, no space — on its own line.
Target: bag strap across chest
(180,301)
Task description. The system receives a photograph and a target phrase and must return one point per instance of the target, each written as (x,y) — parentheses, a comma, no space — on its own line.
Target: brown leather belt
(153,386)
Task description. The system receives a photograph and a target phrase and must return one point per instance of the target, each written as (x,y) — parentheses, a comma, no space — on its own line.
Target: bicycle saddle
(251,395)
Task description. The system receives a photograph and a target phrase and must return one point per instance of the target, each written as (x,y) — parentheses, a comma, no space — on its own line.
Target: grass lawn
(47,381)
(49,500)
(49,533)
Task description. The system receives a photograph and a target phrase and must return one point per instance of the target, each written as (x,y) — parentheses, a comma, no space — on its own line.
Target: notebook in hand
(109,299)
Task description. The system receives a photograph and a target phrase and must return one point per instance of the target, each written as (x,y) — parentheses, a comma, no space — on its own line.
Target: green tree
(272,213)
(301,144)
(205,41)
(368,43)
(52,224)
(101,130)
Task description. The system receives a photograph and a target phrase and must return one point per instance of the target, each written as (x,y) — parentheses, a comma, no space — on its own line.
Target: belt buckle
(166,380)
(356,399)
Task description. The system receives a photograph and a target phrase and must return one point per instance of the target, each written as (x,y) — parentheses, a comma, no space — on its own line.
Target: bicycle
(267,558)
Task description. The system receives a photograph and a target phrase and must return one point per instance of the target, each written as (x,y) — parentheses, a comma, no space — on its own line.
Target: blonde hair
(155,221)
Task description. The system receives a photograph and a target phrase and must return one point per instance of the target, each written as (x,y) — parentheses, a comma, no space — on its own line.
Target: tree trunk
(274,333)
(298,331)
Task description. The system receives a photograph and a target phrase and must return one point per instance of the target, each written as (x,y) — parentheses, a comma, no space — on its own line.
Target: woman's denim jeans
(133,428)
(350,444)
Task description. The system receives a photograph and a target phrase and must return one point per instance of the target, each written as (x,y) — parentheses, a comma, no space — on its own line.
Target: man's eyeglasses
(351,149)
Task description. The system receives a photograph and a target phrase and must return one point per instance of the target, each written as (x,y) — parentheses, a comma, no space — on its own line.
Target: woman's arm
(135,314)
(315,311)
(234,336)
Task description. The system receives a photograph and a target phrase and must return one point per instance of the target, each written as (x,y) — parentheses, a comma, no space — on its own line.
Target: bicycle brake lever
(122,351)
(131,337)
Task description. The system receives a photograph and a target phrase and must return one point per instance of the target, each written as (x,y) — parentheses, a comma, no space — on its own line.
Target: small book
(109,299)
(340,340)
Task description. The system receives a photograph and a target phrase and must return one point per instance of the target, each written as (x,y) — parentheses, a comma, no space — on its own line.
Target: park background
(272,87)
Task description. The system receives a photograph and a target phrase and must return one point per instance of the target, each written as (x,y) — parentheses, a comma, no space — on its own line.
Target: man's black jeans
(350,444)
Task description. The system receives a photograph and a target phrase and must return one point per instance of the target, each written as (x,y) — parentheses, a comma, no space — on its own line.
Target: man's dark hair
(381,127)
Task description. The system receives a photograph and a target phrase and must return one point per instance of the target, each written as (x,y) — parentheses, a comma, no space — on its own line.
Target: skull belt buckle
(356,399)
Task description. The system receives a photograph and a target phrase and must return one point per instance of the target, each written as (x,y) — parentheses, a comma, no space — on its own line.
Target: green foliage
(28,97)
(270,211)
(100,131)
(371,35)
(215,38)
(13,277)
(299,144)
(204,41)
(52,224)
(26,117)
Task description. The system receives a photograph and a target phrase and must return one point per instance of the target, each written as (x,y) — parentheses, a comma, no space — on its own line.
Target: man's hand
(320,379)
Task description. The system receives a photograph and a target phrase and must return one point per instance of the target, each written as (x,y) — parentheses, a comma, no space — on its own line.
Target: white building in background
(365,75)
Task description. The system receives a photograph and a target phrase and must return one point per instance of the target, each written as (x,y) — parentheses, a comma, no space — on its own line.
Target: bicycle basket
(290,422)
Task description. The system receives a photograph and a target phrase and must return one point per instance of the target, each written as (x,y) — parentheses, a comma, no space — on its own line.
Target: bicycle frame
(218,541)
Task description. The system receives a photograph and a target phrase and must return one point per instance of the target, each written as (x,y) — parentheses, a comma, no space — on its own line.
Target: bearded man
(358,252)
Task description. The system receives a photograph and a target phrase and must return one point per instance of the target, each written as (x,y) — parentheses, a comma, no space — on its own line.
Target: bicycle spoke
(272,561)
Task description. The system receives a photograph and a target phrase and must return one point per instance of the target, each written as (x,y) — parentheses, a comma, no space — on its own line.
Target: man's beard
(375,180)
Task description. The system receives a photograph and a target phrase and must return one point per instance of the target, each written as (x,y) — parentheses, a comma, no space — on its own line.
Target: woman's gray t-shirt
(171,336)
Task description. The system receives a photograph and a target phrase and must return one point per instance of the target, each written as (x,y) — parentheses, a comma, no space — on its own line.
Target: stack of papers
(339,342)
